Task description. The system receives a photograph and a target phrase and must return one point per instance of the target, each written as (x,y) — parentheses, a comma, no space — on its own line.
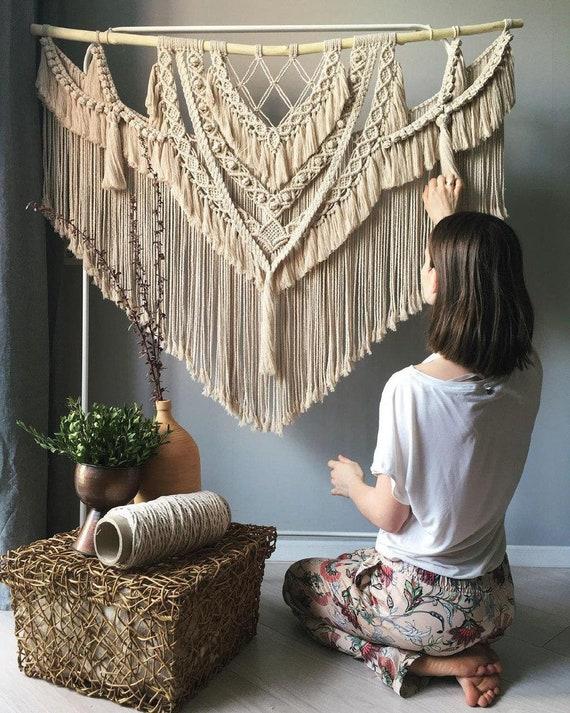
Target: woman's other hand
(344,473)
(441,196)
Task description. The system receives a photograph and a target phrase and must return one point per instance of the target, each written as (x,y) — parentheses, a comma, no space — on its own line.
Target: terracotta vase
(101,489)
(176,467)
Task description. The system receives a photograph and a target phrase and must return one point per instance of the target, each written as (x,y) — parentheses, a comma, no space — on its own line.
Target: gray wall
(284,480)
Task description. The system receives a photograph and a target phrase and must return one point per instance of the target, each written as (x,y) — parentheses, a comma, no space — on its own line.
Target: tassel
(113,172)
(446,159)
(152,101)
(131,145)
(267,355)
(460,84)
(155,157)
(92,82)
(280,174)
(428,139)
(43,83)
(398,112)
(414,149)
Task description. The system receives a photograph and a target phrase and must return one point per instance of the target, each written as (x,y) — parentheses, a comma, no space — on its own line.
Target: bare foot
(477,660)
(477,670)
(480,690)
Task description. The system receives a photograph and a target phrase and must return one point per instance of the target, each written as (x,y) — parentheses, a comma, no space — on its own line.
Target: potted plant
(109,445)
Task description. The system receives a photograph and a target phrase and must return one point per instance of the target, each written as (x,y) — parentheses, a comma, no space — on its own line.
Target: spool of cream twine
(135,535)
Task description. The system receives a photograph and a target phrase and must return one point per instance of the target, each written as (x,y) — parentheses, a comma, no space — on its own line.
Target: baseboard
(294,545)
(539,555)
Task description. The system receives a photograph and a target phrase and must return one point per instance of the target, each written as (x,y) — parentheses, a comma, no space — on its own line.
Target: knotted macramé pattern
(290,249)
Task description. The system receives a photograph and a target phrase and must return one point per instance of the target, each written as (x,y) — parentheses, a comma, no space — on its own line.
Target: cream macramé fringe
(275,155)
(269,314)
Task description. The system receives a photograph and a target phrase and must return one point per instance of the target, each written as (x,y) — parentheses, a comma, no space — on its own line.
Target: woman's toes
(472,694)
(483,668)
(489,668)
(492,665)
(486,699)
(480,690)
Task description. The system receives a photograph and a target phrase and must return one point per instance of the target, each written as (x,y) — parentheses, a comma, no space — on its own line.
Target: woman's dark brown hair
(482,315)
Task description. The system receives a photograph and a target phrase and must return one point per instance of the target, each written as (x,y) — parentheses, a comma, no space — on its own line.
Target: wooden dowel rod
(122,38)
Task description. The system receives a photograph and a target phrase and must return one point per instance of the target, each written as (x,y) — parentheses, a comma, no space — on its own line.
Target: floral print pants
(388,612)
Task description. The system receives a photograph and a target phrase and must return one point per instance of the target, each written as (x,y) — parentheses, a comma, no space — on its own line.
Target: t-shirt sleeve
(390,455)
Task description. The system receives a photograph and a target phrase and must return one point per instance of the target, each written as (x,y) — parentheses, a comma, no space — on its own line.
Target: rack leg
(84,363)
(85,326)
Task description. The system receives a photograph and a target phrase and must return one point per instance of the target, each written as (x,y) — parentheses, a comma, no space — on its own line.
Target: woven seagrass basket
(147,638)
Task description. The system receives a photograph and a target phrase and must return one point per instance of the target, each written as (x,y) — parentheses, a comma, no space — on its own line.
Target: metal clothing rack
(131,35)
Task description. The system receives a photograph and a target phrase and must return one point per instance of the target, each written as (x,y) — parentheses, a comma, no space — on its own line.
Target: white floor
(284,671)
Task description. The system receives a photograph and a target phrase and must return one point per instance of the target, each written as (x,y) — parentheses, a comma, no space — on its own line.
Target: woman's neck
(442,368)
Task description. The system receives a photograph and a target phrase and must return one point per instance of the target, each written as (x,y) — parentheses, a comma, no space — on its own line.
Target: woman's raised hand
(344,473)
(441,196)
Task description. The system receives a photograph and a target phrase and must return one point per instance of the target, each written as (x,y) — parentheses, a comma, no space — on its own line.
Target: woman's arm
(377,504)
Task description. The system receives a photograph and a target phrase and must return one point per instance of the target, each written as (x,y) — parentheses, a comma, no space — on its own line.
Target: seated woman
(453,437)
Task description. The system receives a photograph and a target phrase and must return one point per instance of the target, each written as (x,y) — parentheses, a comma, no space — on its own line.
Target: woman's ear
(430,285)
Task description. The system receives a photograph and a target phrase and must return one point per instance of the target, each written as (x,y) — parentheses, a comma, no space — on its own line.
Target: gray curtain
(24,338)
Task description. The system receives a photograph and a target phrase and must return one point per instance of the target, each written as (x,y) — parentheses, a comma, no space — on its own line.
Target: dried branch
(145,312)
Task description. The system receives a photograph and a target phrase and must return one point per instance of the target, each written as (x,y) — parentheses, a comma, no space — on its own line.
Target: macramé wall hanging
(290,248)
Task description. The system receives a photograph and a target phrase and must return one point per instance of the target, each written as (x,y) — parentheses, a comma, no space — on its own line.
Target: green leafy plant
(109,436)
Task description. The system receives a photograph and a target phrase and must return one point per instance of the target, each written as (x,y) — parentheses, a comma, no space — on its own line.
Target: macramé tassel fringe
(153,100)
(267,351)
(267,344)
(276,164)
(114,173)
(446,158)
(327,321)
(408,156)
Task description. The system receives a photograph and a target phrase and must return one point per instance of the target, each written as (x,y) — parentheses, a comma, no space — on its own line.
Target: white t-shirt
(455,451)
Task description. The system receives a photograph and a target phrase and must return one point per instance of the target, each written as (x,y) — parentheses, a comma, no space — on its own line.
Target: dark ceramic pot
(101,489)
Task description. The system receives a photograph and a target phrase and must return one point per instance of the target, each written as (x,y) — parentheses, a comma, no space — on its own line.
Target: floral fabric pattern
(387,612)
